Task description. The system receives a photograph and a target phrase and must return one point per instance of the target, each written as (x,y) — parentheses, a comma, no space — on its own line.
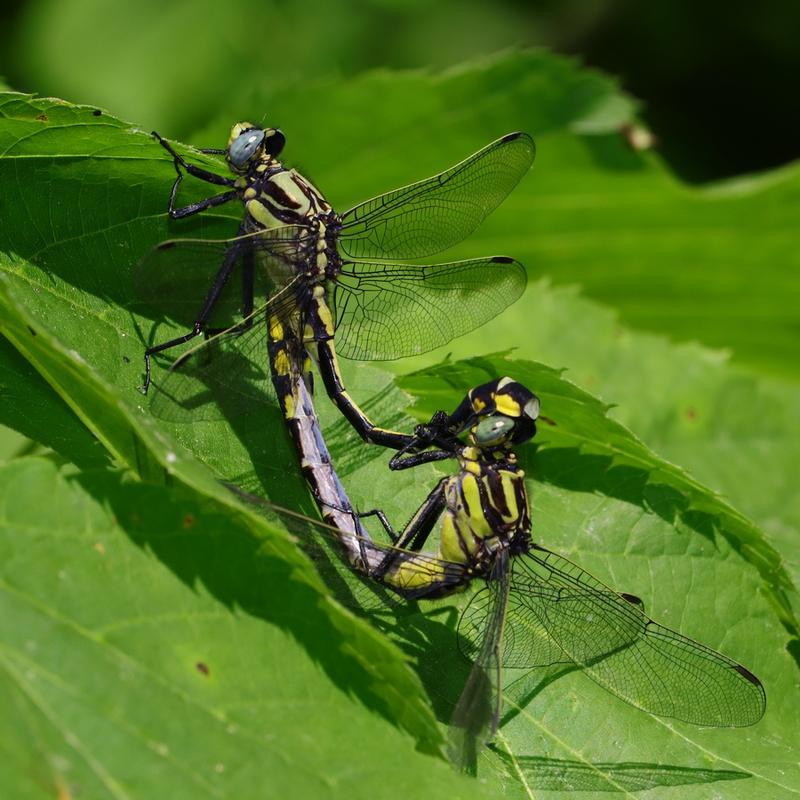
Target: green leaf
(152,648)
(85,219)
(28,405)
(135,443)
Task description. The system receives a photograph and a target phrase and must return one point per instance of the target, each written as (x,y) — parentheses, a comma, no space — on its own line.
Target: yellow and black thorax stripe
(486,507)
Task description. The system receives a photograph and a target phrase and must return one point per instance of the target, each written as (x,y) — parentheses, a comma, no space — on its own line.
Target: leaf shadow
(202,546)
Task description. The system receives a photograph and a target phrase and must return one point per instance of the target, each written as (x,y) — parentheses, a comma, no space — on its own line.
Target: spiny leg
(211,299)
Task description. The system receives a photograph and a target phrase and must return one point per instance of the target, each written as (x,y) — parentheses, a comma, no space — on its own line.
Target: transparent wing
(175,276)
(477,711)
(386,311)
(227,375)
(434,214)
(554,605)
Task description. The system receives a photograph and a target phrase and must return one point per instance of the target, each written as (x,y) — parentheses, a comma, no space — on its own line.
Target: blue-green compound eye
(491,430)
(244,146)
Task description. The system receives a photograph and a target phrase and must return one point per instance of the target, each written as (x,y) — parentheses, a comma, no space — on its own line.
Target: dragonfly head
(248,145)
(504,412)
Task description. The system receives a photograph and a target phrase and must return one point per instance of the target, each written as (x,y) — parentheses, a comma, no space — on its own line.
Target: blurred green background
(717,81)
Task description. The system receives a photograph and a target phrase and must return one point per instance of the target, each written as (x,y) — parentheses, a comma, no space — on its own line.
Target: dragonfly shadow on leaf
(219,394)
(565,775)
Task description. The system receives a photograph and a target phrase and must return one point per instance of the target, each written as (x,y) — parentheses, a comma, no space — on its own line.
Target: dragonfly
(327,278)
(535,608)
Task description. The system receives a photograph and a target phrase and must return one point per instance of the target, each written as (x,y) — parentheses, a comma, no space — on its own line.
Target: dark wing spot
(745,673)
(632,599)
(168,245)
(502,260)
(97,112)
(509,137)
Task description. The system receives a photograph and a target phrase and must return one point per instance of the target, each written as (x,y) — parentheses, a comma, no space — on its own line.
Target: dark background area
(718,82)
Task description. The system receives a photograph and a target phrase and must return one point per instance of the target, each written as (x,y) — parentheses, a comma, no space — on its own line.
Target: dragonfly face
(249,146)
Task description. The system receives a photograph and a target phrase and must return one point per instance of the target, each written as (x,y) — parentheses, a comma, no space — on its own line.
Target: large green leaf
(150,647)
(135,443)
(85,218)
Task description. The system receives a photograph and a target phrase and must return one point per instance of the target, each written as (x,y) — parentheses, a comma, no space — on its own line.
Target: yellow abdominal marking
(508,481)
(450,541)
(275,329)
(324,312)
(409,574)
(281,363)
(476,520)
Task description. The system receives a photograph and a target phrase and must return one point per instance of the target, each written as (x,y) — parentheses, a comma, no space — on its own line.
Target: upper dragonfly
(304,263)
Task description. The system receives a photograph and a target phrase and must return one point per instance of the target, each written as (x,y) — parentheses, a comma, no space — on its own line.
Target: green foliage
(116,589)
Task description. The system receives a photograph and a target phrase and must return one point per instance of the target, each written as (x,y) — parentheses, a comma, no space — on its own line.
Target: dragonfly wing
(434,214)
(387,311)
(616,644)
(176,276)
(477,712)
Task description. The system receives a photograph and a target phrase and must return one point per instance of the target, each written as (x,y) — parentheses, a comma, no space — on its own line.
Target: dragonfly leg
(248,288)
(200,205)
(221,279)
(198,172)
(436,432)
(384,520)
(248,281)
(151,351)
(419,528)
(401,461)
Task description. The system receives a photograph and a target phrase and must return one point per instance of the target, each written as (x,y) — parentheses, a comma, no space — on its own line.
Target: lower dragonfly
(536,608)
(298,260)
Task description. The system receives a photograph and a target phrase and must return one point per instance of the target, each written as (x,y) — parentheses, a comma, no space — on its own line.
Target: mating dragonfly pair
(298,274)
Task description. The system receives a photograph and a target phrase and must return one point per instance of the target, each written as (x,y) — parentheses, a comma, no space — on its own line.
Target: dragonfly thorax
(486,508)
